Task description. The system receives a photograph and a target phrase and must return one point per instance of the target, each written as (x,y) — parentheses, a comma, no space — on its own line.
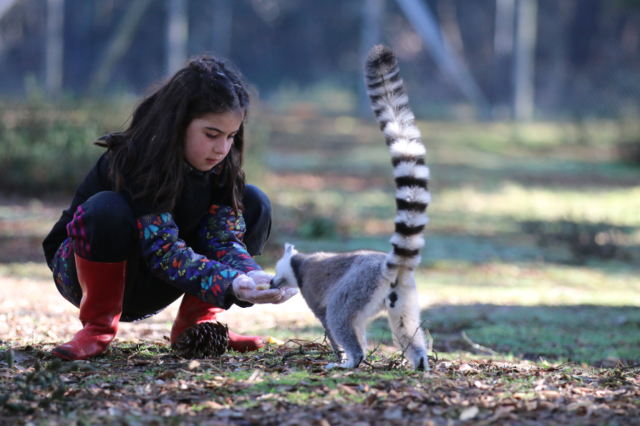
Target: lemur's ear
(288,248)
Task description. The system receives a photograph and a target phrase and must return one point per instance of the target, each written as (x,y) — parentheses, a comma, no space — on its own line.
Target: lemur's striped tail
(391,106)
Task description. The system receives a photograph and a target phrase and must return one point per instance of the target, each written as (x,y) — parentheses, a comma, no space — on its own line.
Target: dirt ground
(32,311)
(141,381)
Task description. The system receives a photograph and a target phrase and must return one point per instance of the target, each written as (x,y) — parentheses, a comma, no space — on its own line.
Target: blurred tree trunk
(369,37)
(222,25)
(5,6)
(552,90)
(177,35)
(450,25)
(54,65)
(630,37)
(426,26)
(524,60)
(118,46)
(503,58)
(583,31)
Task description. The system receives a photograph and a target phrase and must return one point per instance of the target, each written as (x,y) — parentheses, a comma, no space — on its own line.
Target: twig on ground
(325,338)
(301,350)
(374,350)
(617,375)
(429,341)
(404,349)
(630,367)
(477,346)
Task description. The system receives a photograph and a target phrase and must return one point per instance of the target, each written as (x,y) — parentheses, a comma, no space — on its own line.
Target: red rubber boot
(195,311)
(100,308)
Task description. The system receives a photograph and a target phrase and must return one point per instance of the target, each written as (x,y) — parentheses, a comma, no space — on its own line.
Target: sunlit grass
(466,210)
(513,136)
(528,285)
(617,206)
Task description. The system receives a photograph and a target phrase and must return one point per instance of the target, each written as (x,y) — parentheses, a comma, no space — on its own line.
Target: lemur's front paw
(352,362)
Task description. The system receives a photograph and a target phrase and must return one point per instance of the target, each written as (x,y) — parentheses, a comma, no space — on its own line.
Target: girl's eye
(211,136)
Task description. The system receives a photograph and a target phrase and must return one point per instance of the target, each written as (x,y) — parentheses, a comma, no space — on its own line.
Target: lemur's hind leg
(332,341)
(363,335)
(404,319)
(346,334)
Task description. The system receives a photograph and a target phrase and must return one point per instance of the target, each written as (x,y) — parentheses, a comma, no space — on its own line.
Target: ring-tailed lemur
(345,290)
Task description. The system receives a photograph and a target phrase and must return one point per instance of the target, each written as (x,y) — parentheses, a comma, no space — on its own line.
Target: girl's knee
(108,206)
(255,199)
(257,216)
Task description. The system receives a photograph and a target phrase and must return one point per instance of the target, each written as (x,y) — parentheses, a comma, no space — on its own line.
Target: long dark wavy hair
(147,159)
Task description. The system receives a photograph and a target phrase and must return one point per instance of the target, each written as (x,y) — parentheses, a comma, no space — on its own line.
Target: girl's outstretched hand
(246,289)
(261,278)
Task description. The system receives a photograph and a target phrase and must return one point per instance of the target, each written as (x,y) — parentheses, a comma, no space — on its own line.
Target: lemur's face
(285,276)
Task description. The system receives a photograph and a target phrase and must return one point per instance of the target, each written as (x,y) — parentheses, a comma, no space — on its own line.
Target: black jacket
(199,192)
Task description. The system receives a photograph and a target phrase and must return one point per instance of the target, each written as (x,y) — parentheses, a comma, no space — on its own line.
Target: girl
(162,214)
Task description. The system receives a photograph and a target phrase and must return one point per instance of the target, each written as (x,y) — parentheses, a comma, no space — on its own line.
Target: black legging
(111,230)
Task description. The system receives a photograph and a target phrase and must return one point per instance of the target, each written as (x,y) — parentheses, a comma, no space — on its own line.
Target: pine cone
(204,340)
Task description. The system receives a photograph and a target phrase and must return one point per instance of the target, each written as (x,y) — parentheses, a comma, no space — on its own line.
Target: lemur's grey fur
(345,290)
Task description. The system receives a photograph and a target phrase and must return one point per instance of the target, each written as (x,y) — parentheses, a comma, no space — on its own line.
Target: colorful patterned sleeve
(171,260)
(221,235)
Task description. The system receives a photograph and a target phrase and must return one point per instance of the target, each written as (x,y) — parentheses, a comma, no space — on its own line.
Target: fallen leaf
(363,387)
(469,413)
(228,413)
(549,394)
(575,406)
(393,414)
(500,412)
(212,404)
(370,399)
(19,356)
(480,385)
(169,374)
(254,376)
(466,368)
(347,389)
(413,405)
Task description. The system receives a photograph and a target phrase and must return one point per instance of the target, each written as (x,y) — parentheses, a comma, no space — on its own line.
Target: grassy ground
(529,287)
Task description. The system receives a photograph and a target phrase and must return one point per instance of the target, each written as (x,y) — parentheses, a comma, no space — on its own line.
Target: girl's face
(209,139)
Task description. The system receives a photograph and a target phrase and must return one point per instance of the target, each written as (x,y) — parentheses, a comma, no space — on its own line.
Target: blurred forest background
(529,110)
(73,69)
(585,53)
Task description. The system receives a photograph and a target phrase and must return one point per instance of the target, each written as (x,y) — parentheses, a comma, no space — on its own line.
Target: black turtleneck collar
(195,172)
